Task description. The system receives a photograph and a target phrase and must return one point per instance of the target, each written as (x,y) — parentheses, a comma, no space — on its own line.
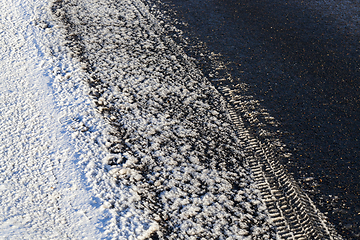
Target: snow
(43,193)
(109,131)
(49,138)
(171,137)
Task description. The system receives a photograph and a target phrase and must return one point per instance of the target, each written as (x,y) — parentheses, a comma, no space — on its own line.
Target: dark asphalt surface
(305,71)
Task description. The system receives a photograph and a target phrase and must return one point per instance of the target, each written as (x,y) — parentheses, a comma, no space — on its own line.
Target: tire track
(301,66)
(292,211)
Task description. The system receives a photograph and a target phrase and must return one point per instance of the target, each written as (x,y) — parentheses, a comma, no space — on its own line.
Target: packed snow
(109,131)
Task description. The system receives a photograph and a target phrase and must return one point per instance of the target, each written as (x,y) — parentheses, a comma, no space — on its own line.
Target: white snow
(50,138)
(43,192)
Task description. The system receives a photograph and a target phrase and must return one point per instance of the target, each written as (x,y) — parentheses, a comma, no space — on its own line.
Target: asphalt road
(304,69)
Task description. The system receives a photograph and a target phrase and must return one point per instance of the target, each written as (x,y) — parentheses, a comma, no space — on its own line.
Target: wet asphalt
(305,70)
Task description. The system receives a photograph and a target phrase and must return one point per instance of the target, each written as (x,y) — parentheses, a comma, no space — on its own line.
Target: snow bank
(50,137)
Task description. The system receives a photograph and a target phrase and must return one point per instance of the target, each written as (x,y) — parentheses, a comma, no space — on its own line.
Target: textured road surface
(303,66)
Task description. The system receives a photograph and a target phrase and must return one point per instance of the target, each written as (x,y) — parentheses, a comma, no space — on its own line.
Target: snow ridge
(171,142)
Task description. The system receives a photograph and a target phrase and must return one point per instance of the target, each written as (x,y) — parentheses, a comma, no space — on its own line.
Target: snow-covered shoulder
(49,136)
